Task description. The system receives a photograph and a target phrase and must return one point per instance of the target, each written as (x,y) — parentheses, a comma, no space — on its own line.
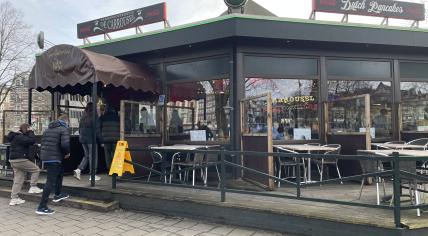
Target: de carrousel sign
(380,8)
(142,16)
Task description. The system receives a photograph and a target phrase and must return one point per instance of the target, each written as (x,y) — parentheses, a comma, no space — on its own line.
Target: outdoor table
(305,148)
(389,153)
(182,147)
(399,146)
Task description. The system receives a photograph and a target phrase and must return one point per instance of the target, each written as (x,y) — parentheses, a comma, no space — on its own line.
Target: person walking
(110,132)
(20,143)
(85,137)
(55,148)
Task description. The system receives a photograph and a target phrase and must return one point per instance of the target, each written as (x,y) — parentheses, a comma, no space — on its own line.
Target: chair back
(395,142)
(336,151)
(420,141)
(156,156)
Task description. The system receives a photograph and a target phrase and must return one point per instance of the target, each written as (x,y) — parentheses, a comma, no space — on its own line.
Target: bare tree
(16,48)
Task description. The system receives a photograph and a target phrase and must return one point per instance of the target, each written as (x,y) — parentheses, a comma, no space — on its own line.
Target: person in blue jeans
(55,148)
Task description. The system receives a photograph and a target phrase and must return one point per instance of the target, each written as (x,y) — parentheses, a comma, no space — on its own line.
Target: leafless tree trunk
(16,48)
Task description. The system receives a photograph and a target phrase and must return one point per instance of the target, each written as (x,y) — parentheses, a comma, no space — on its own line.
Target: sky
(58,18)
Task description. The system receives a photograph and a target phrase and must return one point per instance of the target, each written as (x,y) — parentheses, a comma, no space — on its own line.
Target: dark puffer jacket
(20,144)
(109,127)
(55,142)
(85,129)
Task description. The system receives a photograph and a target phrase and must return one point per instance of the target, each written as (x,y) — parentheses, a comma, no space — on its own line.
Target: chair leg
(418,211)
(322,169)
(361,188)
(171,170)
(150,173)
(206,176)
(218,173)
(279,176)
(377,191)
(338,173)
(193,177)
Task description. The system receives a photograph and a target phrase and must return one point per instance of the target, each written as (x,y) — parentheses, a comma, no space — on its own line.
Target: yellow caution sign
(119,166)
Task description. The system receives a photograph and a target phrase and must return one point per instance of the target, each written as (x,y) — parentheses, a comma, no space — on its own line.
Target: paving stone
(241,232)
(21,220)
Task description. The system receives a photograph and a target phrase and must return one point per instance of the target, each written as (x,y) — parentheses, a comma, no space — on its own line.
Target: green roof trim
(255,17)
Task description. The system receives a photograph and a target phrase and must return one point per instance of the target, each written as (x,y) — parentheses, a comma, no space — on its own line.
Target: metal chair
(420,141)
(190,160)
(288,162)
(157,158)
(211,159)
(368,166)
(329,161)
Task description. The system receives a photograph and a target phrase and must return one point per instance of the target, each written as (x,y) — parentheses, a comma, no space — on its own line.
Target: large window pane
(279,67)
(414,96)
(198,106)
(141,119)
(294,108)
(413,70)
(380,105)
(361,69)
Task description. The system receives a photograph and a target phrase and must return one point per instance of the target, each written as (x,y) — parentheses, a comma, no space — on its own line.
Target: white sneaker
(35,190)
(97,178)
(16,201)
(76,174)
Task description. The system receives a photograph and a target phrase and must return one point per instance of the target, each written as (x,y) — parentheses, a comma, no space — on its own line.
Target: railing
(395,173)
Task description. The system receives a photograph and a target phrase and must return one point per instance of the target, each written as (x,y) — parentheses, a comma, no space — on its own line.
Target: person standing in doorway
(20,143)
(110,132)
(55,148)
(86,130)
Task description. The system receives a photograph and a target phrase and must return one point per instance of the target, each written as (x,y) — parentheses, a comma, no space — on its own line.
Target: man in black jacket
(110,131)
(20,143)
(55,148)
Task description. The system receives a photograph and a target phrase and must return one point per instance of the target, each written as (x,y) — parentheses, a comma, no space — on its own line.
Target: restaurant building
(329,82)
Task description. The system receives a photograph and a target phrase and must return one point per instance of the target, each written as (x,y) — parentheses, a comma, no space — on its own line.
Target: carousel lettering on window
(295,99)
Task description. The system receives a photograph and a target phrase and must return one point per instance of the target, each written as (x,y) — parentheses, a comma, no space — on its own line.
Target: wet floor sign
(119,166)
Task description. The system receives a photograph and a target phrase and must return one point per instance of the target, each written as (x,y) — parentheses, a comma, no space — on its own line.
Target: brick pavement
(21,220)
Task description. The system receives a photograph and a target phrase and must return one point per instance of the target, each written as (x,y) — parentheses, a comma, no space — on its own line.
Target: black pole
(30,104)
(222,176)
(94,131)
(396,189)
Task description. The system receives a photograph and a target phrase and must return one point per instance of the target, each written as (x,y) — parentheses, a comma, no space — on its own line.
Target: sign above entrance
(121,21)
(380,8)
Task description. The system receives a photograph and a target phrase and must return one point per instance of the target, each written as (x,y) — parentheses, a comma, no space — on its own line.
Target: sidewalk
(21,220)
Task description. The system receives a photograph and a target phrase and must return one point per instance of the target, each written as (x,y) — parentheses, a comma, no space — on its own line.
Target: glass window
(294,108)
(141,119)
(414,97)
(361,69)
(198,106)
(277,66)
(210,68)
(413,70)
(380,106)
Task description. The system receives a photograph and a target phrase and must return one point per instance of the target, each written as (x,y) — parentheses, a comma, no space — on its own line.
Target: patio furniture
(368,166)
(287,163)
(421,141)
(211,159)
(308,149)
(157,159)
(329,161)
(189,161)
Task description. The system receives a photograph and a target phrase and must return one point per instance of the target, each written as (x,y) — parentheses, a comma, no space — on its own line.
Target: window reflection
(195,111)
(294,108)
(141,118)
(380,106)
(414,96)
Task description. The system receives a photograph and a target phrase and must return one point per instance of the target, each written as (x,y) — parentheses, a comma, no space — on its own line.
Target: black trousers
(54,177)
